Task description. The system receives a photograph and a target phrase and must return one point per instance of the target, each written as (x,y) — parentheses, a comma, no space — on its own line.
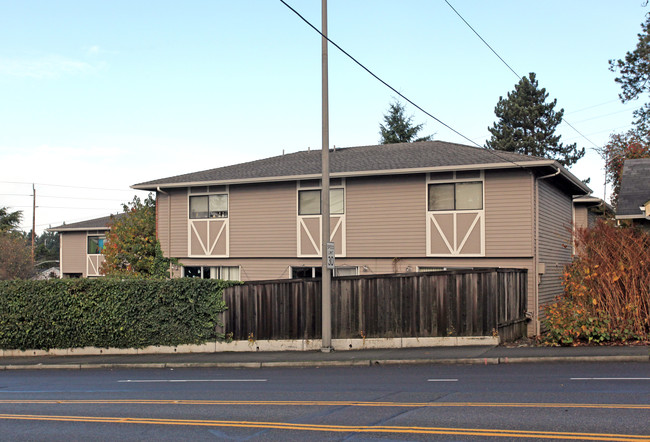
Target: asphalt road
(593,401)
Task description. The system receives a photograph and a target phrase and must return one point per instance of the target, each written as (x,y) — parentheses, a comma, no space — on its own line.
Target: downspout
(536,263)
(169,226)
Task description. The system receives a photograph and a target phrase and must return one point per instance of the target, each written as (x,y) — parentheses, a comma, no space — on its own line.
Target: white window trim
(224,227)
(430,216)
(93,260)
(338,221)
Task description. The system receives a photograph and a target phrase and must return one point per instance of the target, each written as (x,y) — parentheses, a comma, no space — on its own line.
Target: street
(591,401)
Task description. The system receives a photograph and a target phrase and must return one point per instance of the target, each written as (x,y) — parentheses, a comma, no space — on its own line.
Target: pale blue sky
(109,94)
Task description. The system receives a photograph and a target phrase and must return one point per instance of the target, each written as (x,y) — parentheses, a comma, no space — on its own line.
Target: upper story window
(209,206)
(456,196)
(309,202)
(96,245)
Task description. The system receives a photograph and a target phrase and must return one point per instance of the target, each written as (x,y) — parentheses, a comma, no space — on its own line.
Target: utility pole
(326,281)
(33,219)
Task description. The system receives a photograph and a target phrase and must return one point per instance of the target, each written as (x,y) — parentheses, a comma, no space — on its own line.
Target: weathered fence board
(478,302)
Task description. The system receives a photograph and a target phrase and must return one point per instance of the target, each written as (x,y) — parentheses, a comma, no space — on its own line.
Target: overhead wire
(512,70)
(376,76)
(68,186)
(492,151)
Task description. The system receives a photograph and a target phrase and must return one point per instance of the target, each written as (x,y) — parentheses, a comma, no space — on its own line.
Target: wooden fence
(474,302)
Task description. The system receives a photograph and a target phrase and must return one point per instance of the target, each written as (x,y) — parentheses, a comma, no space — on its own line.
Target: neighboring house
(81,246)
(634,197)
(394,208)
(51,273)
(587,209)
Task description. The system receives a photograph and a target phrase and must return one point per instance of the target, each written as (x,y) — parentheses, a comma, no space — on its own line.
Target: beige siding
(555,221)
(257,269)
(592,218)
(73,252)
(386,216)
(178,221)
(508,213)
(581,216)
(263,220)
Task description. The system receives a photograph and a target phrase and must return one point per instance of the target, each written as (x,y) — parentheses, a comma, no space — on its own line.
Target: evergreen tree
(635,82)
(527,125)
(399,128)
(635,76)
(9,221)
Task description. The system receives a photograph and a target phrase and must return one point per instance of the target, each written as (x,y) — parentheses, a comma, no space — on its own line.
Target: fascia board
(77,229)
(640,216)
(485,166)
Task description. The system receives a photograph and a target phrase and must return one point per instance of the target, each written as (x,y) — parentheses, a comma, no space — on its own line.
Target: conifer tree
(527,125)
(399,128)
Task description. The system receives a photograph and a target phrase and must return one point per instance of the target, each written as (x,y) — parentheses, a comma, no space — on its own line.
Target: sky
(98,96)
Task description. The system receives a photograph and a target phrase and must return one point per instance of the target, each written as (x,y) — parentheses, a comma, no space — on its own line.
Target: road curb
(333,363)
(522,360)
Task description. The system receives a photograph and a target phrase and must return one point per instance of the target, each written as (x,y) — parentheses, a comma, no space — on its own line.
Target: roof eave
(76,229)
(504,165)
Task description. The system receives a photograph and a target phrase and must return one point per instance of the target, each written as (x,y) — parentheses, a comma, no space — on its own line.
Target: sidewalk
(427,355)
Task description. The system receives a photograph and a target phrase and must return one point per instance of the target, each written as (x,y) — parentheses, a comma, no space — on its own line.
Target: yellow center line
(338,428)
(328,403)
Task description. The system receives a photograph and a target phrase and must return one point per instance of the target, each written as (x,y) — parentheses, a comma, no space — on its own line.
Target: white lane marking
(442,380)
(610,379)
(190,380)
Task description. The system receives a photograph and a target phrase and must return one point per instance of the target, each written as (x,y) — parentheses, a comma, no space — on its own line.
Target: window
(306,272)
(456,196)
(309,202)
(96,245)
(346,271)
(431,269)
(226,273)
(209,206)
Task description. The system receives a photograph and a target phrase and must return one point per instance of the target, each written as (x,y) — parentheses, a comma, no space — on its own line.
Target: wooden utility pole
(326,280)
(33,219)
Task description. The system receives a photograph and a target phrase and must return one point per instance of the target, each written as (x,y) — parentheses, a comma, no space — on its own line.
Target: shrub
(606,289)
(109,312)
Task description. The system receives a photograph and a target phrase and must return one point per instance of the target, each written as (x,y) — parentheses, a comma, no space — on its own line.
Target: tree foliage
(634,77)
(46,247)
(606,289)
(400,128)
(630,145)
(15,257)
(131,248)
(9,221)
(527,124)
(15,254)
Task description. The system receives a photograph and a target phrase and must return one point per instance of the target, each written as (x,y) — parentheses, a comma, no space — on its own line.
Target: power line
(61,197)
(492,151)
(593,106)
(71,187)
(604,115)
(513,71)
(375,76)
(57,207)
(479,36)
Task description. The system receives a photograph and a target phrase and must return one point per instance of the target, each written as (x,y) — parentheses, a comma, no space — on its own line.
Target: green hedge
(107,312)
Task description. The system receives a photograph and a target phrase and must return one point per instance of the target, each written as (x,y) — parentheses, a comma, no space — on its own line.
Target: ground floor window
(431,269)
(306,272)
(227,273)
(346,271)
(317,272)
